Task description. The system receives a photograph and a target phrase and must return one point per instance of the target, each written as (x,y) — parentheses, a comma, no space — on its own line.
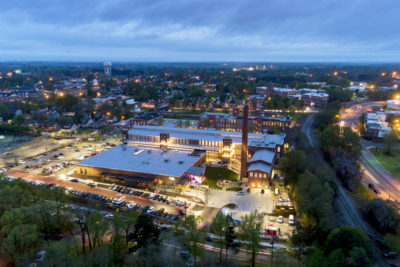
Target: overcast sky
(202,30)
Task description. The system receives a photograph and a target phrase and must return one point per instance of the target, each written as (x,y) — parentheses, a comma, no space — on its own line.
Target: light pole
(272,249)
(66,175)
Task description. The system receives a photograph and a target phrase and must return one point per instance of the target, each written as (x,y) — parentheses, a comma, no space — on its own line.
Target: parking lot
(60,158)
(57,167)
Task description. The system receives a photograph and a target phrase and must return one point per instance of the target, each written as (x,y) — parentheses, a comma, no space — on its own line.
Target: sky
(200,30)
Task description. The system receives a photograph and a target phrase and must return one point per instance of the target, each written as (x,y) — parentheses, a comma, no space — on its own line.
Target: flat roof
(143,160)
(264,140)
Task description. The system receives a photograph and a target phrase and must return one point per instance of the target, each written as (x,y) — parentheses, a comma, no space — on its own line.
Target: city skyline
(200,31)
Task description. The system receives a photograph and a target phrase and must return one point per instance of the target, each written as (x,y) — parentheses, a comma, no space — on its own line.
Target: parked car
(74,180)
(151,209)
(291,219)
(40,256)
(280,219)
(109,216)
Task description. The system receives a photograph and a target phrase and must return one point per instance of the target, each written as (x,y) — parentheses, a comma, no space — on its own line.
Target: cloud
(203,30)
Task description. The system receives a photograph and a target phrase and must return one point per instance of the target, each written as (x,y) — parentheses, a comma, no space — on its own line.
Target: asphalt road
(373,171)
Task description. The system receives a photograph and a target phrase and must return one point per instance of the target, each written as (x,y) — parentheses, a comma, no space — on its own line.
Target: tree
(59,254)
(145,231)
(62,120)
(389,139)
(190,236)
(19,119)
(68,102)
(230,236)
(361,122)
(316,207)
(98,228)
(218,228)
(347,238)
(21,232)
(117,243)
(5,113)
(128,223)
(384,215)
(292,165)
(249,231)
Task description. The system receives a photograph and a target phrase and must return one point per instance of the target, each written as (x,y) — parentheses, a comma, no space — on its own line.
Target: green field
(391,163)
(213,174)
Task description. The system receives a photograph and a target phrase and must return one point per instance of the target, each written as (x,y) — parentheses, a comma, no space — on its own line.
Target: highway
(373,171)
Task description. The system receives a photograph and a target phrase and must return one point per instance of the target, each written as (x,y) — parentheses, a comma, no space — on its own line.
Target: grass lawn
(391,163)
(213,174)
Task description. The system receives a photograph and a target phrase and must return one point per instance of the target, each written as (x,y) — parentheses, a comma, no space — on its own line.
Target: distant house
(53,115)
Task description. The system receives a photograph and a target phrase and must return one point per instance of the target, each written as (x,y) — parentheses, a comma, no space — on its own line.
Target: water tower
(107,69)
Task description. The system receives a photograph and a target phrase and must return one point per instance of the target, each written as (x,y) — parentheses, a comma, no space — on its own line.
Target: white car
(291,220)
(40,256)
(151,196)
(151,209)
(280,219)
(109,216)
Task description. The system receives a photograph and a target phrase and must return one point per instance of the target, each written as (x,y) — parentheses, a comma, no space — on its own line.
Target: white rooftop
(264,155)
(260,166)
(147,161)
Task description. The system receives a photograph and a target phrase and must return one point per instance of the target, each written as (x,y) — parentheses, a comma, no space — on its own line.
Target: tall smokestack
(245,129)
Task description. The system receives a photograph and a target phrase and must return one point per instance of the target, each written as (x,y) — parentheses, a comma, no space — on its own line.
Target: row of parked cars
(120,203)
(124,190)
(160,214)
(152,196)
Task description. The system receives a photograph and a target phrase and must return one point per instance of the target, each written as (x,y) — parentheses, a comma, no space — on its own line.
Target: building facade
(234,122)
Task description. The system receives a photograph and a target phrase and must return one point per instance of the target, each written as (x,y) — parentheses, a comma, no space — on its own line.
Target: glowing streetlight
(98,94)
(61,94)
(108,113)
(335,73)
(397,96)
